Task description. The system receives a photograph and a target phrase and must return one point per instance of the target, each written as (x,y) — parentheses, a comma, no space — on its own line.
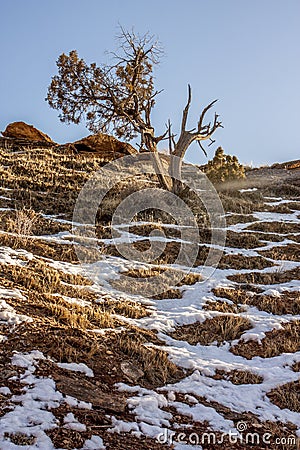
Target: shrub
(224,168)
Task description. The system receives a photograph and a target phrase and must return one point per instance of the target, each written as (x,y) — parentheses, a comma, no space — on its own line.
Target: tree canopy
(119,98)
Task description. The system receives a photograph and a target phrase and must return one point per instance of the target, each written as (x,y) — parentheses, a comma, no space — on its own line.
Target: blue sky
(245,53)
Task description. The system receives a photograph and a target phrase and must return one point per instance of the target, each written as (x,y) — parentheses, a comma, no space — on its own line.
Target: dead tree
(119,98)
(201,133)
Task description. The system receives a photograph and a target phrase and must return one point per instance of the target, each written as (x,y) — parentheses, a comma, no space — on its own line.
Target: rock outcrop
(287,165)
(104,145)
(21,130)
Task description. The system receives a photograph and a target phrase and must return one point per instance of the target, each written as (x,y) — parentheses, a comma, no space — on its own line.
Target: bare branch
(207,108)
(186,109)
(202,148)
(162,136)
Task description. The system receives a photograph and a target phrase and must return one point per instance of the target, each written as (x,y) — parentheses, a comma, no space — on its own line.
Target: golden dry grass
(146,229)
(126,308)
(58,311)
(238,377)
(20,439)
(169,294)
(276,342)
(222,306)
(168,277)
(294,205)
(242,240)
(58,341)
(274,227)
(236,202)
(290,252)
(240,262)
(189,278)
(171,251)
(286,303)
(286,396)
(276,277)
(47,180)
(234,219)
(296,366)
(39,276)
(26,222)
(220,328)
(154,362)
(44,248)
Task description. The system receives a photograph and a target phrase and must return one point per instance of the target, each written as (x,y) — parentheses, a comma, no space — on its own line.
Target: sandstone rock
(105,145)
(88,392)
(131,371)
(21,130)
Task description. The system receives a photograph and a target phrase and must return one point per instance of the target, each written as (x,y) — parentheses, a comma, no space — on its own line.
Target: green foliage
(116,97)
(224,168)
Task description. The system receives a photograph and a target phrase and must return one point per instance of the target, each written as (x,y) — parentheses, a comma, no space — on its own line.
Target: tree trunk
(182,145)
(160,171)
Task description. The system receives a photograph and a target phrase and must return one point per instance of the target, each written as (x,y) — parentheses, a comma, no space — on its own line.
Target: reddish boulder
(105,145)
(21,130)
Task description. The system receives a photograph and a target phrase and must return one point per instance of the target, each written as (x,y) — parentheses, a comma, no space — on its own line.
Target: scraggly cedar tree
(119,98)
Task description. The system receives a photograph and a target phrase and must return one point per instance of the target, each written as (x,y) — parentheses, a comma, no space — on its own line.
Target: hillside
(89,363)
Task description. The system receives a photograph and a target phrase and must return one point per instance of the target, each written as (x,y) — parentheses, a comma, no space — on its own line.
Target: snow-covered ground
(30,413)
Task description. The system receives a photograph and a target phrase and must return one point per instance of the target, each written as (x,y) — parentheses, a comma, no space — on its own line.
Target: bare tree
(119,98)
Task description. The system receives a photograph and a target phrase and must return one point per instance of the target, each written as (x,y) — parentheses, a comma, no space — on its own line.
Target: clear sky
(246,53)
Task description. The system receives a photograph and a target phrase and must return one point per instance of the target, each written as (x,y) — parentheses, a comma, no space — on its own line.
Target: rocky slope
(87,365)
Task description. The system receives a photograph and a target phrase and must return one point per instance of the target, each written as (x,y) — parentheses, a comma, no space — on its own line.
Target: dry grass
(38,276)
(20,439)
(234,219)
(287,189)
(236,202)
(274,227)
(242,240)
(22,223)
(58,341)
(220,328)
(58,311)
(240,262)
(238,377)
(286,396)
(129,282)
(223,307)
(287,303)
(280,209)
(266,278)
(294,205)
(154,362)
(294,237)
(47,180)
(44,248)
(276,342)
(105,231)
(172,249)
(102,353)
(125,308)
(168,256)
(269,237)
(70,438)
(169,294)
(27,222)
(146,229)
(290,252)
